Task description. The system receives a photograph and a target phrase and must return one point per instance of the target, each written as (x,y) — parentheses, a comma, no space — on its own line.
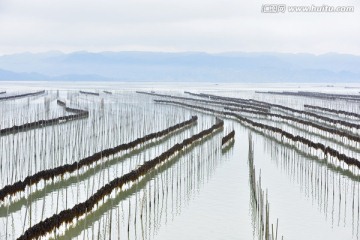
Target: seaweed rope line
(306,123)
(69,168)
(22,95)
(68,215)
(294,138)
(228,137)
(334,122)
(240,105)
(42,123)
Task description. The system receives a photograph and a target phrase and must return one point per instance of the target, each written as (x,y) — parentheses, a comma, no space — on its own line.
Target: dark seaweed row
(295,138)
(22,95)
(240,105)
(69,168)
(90,93)
(230,99)
(314,115)
(68,215)
(292,110)
(3,92)
(42,123)
(228,137)
(107,92)
(328,96)
(351,114)
(303,122)
(332,95)
(69,109)
(61,103)
(298,94)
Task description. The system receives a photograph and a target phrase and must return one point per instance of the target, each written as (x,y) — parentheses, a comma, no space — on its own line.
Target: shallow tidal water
(203,192)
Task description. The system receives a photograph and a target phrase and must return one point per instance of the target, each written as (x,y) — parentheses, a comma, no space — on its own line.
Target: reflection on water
(260,206)
(335,191)
(247,190)
(86,174)
(155,200)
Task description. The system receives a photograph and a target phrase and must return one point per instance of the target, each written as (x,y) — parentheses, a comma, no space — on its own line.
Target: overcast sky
(174,25)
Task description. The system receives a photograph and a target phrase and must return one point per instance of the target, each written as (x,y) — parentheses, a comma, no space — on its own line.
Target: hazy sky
(174,25)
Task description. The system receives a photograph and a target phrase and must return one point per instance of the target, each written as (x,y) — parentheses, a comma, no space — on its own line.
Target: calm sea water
(204,192)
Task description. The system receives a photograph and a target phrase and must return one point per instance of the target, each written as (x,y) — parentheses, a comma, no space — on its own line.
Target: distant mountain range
(185,66)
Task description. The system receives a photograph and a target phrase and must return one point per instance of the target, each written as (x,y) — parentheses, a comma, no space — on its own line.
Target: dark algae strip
(46,122)
(69,168)
(239,105)
(262,104)
(284,134)
(68,215)
(338,132)
(22,95)
(89,93)
(228,137)
(351,114)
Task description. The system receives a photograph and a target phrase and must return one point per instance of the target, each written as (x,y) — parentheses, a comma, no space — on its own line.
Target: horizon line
(177,52)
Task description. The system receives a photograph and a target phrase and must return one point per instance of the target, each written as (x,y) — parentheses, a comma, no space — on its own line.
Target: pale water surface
(202,193)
